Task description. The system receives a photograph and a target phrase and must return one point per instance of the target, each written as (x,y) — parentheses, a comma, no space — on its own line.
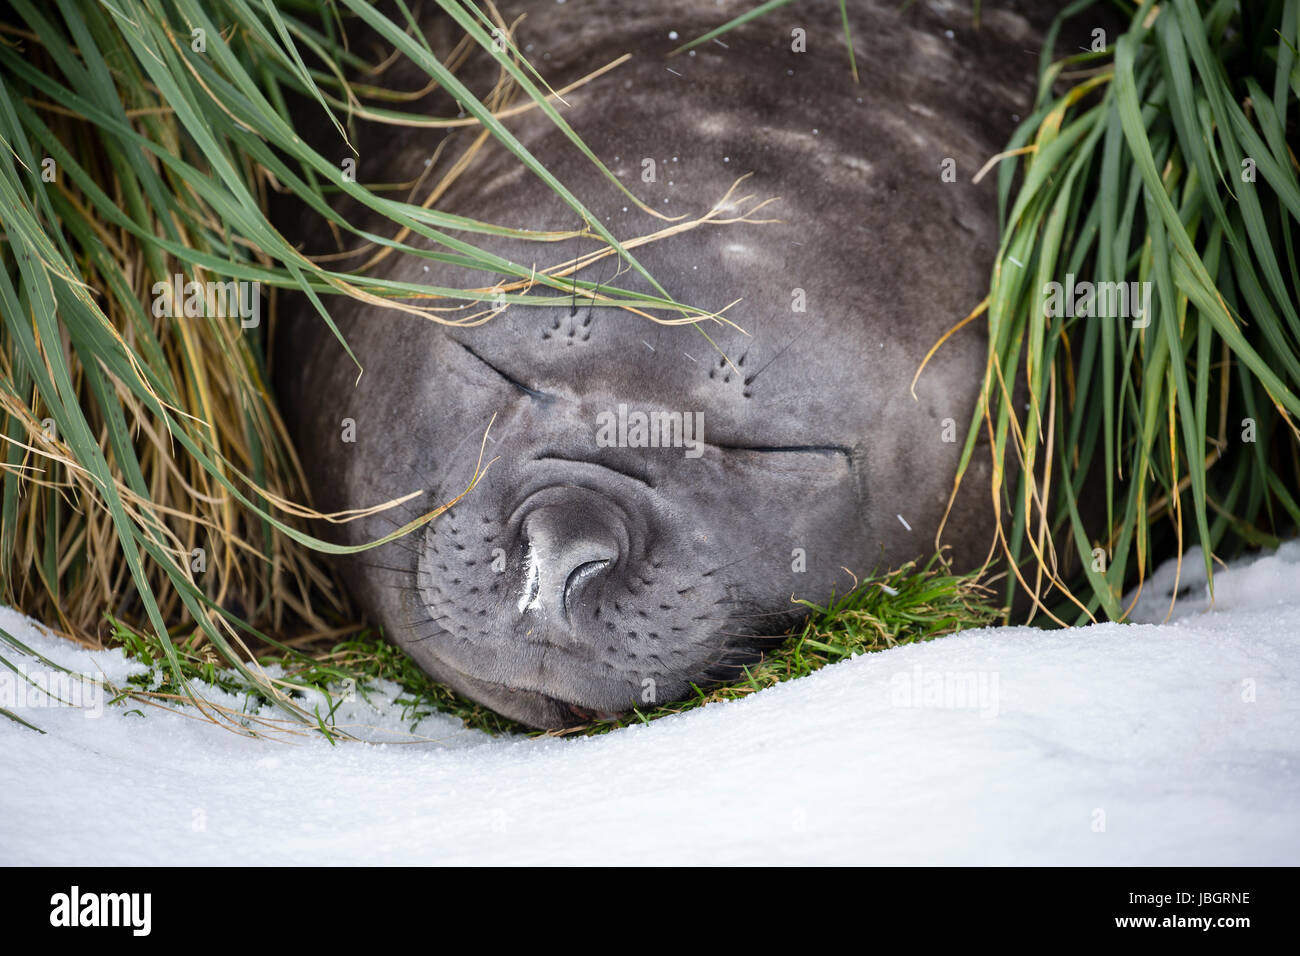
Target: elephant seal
(591,569)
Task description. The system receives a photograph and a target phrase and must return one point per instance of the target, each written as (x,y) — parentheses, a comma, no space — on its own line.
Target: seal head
(659,494)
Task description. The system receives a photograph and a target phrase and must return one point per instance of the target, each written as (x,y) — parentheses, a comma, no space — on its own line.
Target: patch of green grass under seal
(900,607)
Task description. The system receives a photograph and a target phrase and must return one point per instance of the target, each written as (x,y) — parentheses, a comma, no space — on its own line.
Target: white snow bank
(1134,744)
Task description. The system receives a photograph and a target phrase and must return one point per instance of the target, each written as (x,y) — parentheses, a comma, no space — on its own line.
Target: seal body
(658,494)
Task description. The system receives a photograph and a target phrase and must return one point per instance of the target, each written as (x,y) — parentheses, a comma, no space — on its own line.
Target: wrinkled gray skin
(652,571)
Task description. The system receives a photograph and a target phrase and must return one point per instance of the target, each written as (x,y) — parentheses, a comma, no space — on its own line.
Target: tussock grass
(145,471)
(1167,159)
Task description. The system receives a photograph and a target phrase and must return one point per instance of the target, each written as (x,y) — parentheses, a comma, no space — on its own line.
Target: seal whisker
(723,567)
(386,567)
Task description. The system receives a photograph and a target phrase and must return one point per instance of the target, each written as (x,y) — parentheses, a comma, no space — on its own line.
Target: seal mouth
(533,707)
(572,715)
(587,715)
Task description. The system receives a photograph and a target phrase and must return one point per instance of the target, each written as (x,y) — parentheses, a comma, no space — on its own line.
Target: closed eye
(542,396)
(792,449)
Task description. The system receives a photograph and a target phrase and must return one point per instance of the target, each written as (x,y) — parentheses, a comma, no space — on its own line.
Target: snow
(1169,743)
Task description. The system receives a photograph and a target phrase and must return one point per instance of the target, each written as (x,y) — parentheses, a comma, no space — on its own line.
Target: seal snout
(600,594)
(571,545)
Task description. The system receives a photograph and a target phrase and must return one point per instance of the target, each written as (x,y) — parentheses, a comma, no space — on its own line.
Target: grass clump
(318,679)
(1161,157)
(901,607)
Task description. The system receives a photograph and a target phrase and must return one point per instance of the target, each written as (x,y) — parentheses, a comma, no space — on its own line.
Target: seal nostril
(571,541)
(576,578)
